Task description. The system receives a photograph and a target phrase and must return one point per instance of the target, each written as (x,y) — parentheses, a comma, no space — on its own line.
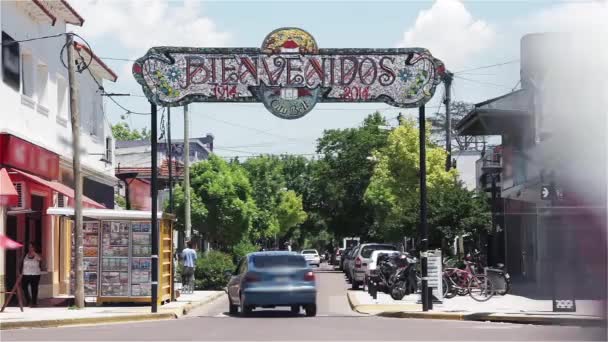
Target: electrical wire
(33,39)
(488,66)
(118,59)
(483,82)
(249,128)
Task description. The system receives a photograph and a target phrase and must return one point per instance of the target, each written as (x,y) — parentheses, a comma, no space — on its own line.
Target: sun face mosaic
(289,74)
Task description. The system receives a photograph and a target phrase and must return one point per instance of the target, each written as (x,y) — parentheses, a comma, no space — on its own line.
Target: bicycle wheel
(480,288)
(448,288)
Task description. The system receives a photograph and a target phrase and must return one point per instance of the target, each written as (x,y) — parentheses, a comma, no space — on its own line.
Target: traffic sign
(545,192)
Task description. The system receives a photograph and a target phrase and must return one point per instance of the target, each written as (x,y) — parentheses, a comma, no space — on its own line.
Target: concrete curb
(193,305)
(407,311)
(425,315)
(536,319)
(372,309)
(135,317)
(52,323)
(498,317)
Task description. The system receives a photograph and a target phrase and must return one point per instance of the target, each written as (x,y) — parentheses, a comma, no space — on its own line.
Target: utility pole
(170,157)
(170,161)
(188,224)
(154,235)
(424,233)
(448,118)
(75,120)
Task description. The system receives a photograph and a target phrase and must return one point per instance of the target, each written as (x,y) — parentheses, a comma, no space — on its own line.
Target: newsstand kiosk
(117,254)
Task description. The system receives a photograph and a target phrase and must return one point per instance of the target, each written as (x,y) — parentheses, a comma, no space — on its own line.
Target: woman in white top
(31,275)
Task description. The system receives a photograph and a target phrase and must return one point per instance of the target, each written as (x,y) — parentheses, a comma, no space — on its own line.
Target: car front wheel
(311,310)
(232,308)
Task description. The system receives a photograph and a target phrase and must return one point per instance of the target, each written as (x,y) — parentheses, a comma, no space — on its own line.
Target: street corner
(363,305)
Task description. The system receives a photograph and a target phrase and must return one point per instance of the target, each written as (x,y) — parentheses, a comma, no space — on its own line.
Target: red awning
(60,188)
(7,243)
(8,194)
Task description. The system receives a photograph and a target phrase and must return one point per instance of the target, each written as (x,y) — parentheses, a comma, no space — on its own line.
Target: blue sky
(464,35)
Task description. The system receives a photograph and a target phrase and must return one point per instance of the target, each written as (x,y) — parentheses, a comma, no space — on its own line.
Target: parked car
(361,259)
(272,279)
(312,257)
(336,257)
(372,266)
(345,253)
(349,263)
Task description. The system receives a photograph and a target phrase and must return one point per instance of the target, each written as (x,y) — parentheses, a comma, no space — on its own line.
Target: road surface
(335,321)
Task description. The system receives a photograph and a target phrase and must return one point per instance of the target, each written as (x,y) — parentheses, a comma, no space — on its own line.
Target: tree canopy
(122,131)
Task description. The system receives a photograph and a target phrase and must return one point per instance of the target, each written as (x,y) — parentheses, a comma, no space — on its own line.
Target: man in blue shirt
(189,258)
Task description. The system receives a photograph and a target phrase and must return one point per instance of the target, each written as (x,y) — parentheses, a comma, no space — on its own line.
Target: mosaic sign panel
(289,74)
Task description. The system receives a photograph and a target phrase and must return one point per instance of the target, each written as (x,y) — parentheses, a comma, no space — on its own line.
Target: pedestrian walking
(189,258)
(32,268)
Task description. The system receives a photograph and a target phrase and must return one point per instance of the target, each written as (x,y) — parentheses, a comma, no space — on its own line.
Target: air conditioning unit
(62,201)
(20,187)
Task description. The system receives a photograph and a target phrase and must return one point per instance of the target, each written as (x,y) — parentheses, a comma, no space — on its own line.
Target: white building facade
(36,135)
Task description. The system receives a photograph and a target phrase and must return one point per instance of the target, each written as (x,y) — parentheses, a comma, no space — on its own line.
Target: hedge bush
(210,268)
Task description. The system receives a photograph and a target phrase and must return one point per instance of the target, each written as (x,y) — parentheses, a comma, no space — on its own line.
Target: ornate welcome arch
(289,74)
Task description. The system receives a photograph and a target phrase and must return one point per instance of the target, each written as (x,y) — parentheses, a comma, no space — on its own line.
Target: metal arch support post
(424,234)
(154,167)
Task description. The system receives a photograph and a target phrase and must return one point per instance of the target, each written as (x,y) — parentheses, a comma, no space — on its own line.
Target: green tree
(122,131)
(289,211)
(394,191)
(278,208)
(343,173)
(225,191)
(198,211)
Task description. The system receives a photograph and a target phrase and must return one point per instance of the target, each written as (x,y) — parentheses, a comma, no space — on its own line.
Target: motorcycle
(395,275)
(404,280)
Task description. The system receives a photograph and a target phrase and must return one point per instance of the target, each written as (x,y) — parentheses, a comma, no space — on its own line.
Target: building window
(42,80)
(10,62)
(27,75)
(62,104)
(109,145)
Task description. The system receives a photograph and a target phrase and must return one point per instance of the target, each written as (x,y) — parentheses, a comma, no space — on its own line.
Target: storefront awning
(8,194)
(109,214)
(60,188)
(507,113)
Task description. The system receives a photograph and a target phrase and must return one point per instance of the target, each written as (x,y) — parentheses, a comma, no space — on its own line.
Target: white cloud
(590,18)
(139,25)
(450,32)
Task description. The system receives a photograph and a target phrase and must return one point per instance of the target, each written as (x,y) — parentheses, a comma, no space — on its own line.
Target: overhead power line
(488,66)
(250,128)
(483,82)
(33,39)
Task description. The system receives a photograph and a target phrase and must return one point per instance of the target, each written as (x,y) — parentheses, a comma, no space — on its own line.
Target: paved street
(335,322)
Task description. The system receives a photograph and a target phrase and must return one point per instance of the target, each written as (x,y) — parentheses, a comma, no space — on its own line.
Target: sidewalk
(508,308)
(13,318)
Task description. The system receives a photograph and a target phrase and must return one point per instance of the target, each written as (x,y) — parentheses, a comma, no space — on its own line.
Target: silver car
(312,257)
(361,259)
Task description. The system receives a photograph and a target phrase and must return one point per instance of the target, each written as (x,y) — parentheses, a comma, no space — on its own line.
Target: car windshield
(367,251)
(273,261)
(309,251)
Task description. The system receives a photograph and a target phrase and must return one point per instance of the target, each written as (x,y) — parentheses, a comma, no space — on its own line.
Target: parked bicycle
(498,275)
(467,281)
